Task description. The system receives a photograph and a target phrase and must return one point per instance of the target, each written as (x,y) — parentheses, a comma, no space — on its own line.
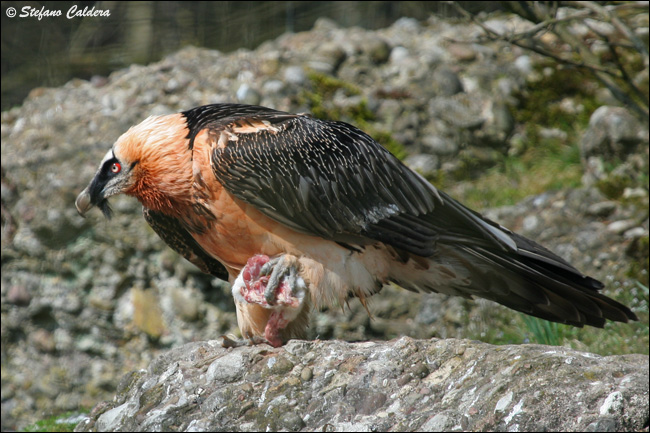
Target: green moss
(280,367)
(55,424)
(540,163)
(551,166)
(540,102)
(537,163)
(50,426)
(613,186)
(269,416)
(620,175)
(393,146)
(639,267)
(323,88)
(127,382)
(151,398)
(326,84)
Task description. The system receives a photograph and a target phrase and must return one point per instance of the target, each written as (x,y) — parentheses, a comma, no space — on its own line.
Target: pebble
(619,227)
(602,209)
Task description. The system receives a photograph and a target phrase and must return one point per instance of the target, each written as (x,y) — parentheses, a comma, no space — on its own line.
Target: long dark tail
(475,257)
(537,282)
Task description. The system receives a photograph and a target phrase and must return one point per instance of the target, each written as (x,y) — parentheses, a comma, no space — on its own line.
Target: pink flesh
(255,285)
(276,323)
(253,292)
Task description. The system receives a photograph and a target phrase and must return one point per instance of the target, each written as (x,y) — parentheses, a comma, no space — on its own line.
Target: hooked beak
(83,202)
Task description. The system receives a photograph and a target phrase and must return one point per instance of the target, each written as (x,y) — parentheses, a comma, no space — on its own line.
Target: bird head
(143,163)
(113,177)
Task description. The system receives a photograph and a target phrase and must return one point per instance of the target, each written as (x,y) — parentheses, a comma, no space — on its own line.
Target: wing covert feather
(328,179)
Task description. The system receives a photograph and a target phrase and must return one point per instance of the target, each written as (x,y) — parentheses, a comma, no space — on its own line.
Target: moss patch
(537,162)
(541,101)
(58,423)
(550,166)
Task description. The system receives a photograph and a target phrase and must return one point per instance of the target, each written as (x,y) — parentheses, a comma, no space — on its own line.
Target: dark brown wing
(172,232)
(330,179)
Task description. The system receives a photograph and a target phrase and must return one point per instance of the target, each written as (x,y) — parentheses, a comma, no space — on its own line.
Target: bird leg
(273,284)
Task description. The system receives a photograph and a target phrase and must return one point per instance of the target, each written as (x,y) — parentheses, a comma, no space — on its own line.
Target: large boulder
(399,385)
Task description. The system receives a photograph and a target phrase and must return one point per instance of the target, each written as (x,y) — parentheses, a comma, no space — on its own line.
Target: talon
(276,286)
(267,268)
(229,342)
(233,342)
(270,283)
(279,271)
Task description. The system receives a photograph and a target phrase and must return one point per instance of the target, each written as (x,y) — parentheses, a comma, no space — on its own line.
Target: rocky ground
(85,301)
(401,385)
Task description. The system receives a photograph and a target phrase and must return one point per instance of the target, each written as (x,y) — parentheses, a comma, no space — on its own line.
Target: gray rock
(247,95)
(423,164)
(403,384)
(398,55)
(461,111)
(602,209)
(446,82)
(619,227)
(635,193)
(440,146)
(295,75)
(524,64)
(613,136)
(612,132)
(328,57)
(462,52)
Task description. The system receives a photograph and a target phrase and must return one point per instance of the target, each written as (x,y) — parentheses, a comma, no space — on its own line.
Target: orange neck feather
(162,176)
(147,190)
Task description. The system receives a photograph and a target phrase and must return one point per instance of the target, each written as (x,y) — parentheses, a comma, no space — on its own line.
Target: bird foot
(272,283)
(229,341)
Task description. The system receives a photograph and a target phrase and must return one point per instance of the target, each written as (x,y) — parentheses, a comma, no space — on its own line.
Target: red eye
(116,167)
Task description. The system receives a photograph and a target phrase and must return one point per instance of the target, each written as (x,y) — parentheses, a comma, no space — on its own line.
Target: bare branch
(614,76)
(604,13)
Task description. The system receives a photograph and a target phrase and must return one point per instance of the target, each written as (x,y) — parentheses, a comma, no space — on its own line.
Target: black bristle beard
(105,208)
